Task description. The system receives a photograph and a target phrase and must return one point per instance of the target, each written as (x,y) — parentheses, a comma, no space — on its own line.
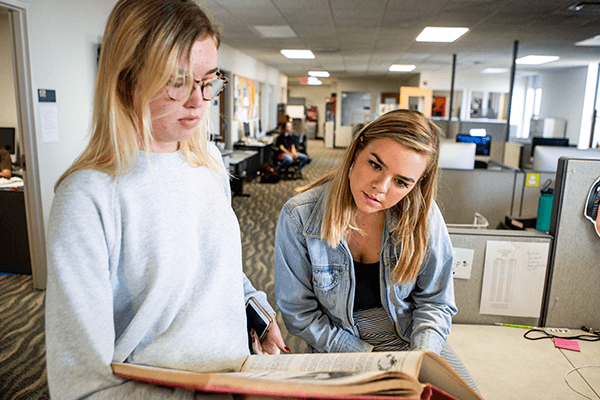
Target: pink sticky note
(566,344)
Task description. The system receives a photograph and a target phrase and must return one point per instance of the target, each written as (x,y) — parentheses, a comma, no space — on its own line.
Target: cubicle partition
(573,291)
(490,192)
(470,292)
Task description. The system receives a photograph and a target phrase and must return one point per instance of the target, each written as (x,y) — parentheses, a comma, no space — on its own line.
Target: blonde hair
(142,45)
(412,130)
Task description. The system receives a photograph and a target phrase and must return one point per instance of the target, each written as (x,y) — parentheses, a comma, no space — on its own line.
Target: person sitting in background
(286,147)
(363,259)
(5,164)
(144,248)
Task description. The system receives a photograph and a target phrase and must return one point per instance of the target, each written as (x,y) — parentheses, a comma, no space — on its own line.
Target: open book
(404,375)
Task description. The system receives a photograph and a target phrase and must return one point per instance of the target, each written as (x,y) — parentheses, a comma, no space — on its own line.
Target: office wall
(315,96)
(63,35)
(63,39)
(562,97)
(8,107)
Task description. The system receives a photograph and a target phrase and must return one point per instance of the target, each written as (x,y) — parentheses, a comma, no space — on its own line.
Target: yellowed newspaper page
(408,362)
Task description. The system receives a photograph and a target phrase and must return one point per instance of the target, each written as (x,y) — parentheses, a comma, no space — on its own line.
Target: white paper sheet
(463,262)
(513,278)
(49,122)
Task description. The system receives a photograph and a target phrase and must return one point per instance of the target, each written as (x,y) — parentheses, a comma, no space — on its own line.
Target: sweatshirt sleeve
(80,330)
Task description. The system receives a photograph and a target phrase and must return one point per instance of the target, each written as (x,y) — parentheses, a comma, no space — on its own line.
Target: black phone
(258,319)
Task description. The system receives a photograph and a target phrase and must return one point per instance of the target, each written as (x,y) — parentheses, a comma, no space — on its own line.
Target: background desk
(506,366)
(239,163)
(263,149)
(14,243)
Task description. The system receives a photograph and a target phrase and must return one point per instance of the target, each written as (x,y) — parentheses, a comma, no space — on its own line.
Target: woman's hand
(272,342)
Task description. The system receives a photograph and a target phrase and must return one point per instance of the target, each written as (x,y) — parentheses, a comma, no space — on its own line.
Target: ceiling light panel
(298,54)
(401,68)
(275,31)
(440,34)
(536,60)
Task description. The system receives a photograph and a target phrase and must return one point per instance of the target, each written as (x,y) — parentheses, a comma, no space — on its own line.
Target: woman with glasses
(144,249)
(363,259)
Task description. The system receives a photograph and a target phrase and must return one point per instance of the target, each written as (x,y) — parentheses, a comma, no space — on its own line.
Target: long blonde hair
(412,130)
(142,44)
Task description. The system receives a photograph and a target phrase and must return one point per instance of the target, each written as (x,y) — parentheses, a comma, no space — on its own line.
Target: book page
(408,362)
(438,373)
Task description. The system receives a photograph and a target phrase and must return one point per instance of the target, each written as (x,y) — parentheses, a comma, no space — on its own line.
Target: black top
(286,141)
(367,291)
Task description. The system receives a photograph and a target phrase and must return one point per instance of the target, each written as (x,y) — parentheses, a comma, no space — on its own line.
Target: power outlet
(557,331)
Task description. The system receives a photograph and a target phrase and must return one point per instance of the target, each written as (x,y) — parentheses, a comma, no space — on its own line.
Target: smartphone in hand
(258,319)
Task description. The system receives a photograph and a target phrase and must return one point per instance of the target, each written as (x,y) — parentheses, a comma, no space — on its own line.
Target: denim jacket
(314,283)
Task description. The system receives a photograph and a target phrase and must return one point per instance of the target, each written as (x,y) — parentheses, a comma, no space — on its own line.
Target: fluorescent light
(440,35)
(276,31)
(298,54)
(494,71)
(595,41)
(319,74)
(536,60)
(401,68)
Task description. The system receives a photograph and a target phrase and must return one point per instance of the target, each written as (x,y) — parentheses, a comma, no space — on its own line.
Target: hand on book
(272,342)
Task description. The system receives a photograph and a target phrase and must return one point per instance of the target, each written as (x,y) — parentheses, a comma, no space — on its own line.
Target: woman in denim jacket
(363,260)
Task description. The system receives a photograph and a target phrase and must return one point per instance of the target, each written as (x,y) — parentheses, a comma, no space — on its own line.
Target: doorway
(16,18)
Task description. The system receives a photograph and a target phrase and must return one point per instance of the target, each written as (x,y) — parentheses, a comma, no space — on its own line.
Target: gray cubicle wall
(490,192)
(468,291)
(573,293)
(527,197)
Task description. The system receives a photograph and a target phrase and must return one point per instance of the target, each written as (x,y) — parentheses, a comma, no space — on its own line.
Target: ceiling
(353,38)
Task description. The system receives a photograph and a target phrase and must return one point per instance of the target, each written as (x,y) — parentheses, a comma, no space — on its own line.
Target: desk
(264,153)
(239,160)
(505,365)
(14,242)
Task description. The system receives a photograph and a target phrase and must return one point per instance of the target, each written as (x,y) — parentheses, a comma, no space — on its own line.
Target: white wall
(63,39)
(8,104)
(562,97)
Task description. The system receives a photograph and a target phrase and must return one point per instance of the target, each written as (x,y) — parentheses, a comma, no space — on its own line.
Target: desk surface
(505,365)
(238,156)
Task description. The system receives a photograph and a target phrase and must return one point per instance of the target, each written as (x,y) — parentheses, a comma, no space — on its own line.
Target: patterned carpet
(22,346)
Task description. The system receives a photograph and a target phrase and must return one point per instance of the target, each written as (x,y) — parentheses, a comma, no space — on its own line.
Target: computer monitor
(7,140)
(483,143)
(457,155)
(538,141)
(545,158)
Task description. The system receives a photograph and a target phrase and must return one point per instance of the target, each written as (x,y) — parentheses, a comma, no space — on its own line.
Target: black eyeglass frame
(219,77)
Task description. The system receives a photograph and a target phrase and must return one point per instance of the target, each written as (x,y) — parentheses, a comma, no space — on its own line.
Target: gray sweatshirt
(145,269)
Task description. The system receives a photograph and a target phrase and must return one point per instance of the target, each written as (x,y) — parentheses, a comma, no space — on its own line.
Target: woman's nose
(195,100)
(381,184)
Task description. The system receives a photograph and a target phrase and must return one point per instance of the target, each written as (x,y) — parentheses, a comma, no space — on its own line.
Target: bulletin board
(246,99)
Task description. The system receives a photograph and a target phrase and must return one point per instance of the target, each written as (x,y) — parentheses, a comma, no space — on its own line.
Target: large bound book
(382,375)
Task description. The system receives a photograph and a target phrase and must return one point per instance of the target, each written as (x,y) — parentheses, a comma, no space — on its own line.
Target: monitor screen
(7,139)
(538,141)
(483,143)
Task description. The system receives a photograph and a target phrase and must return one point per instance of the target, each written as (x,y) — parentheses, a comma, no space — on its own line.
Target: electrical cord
(575,390)
(592,336)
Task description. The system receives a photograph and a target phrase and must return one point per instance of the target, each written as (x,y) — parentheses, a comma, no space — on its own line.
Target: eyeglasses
(211,89)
